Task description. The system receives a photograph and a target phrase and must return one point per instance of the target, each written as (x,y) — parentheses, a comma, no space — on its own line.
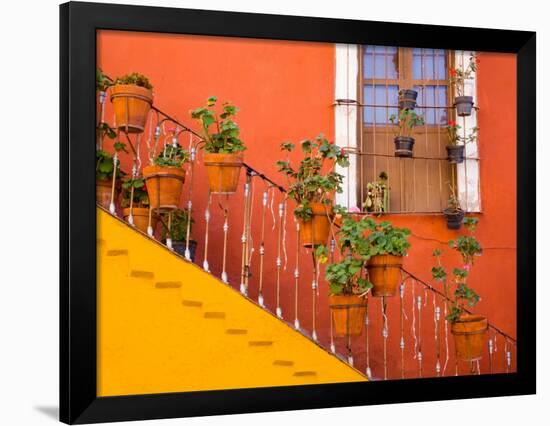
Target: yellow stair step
(168,284)
(141,274)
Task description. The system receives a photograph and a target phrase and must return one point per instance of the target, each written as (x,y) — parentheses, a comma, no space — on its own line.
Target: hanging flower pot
(223,171)
(454,217)
(132,97)
(223,150)
(407,99)
(348,314)
(164,186)
(103,192)
(403,146)
(406,121)
(470,335)
(384,274)
(140,218)
(455,153)
(316,230)
(464,105)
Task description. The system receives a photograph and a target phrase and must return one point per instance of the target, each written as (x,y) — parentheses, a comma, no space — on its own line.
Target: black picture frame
(78,25)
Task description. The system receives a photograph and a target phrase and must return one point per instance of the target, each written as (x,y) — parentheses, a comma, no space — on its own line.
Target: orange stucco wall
(285,91)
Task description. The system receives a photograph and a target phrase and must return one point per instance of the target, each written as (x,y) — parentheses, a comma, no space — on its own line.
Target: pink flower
(342,151)
(467,266)
(354,209)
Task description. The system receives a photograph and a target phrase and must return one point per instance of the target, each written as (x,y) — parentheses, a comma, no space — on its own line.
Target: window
(418,184)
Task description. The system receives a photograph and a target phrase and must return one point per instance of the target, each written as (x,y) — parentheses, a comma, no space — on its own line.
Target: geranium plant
(453,132)
(225,136)
(314,179)
(140,197)
(406,121)
(135,79)
(469,248)
(458,75)
(173,155)
(178,225)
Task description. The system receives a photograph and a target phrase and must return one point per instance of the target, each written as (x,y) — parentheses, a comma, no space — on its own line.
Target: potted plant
(165,177)
(406,121)
(178,232)
(455,149)
(453,213)
(105,168)
(223,148)
(347,300)
(457,78)
(469,330)
(457,144)
(383,251)
(312,185)
(378,195)
(135,204)
(407,98)
(132,97)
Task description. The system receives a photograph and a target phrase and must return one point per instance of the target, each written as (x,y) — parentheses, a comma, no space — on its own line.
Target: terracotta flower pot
(131,104)
(223,171)
(164,186)
(470,334)
(315,231)
(384,274)
(348,314)
(140,217)
(103,192)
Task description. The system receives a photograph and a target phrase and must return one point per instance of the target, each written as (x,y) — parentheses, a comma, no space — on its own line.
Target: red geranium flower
(451,123)
(342,152)
(452,71)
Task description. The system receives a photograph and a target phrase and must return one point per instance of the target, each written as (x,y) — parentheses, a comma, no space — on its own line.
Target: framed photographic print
(264,212)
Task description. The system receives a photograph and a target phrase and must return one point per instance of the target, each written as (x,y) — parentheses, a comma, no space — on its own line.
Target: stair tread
(191,303)
(214,315)
(168,284)
(236,331)
(117,252)
(304,373)
(283,363)
(141,274)
(260,342)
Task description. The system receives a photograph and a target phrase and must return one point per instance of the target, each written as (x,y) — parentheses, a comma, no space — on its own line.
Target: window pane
(378,95)
(432,96)
(429,64)
(380,62)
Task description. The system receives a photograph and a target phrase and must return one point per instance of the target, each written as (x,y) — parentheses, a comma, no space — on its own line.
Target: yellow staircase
(165,325)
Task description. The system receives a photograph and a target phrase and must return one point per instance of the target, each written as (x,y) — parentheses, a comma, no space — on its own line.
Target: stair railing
(423,347)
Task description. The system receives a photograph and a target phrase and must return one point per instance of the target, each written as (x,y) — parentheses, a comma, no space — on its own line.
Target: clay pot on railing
(315,231)
(164,186)
(103,192)
(454,217)
(140,218)
(407,99)
(384,274)
(470,333)
(131,104)
(455,153)
(223,171)
(464,105)
(403,146)
(348,314)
